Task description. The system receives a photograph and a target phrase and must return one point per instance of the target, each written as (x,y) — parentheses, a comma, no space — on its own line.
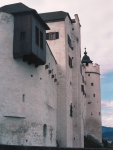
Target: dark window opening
(70,62)
(88,74)
(44,130)
(91,113)
(83,79)
(22,35)
(69,41)
(81,69)
(86,64)
(41,40)
(99,113)
(82,88)
(71,110)
(37,35)
(91,84)
(93,95)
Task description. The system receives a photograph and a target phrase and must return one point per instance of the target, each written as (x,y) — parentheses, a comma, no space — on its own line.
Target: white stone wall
(21,122)
(70,130)
(78,128)
(93,104)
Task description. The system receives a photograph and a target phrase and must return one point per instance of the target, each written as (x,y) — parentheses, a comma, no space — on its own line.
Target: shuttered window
(52,36)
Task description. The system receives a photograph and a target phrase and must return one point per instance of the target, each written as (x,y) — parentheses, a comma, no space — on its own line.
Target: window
(83,79)
(44,130)
(99,113)
(69,41)
(82,88)
(70,62)
(41,40)
(23,98)
(81,69)
(52,36)
(91,84)
(86,64)
(37,35)
(71,111)
(22,35)
(88,74)
(93,95)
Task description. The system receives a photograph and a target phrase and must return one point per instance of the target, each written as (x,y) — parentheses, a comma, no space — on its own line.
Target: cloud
(107,113)
(107,104)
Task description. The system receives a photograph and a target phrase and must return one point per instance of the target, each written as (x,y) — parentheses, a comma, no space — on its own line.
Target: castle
(48,96)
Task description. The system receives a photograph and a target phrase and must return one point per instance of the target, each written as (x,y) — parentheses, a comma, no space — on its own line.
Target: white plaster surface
(21,123)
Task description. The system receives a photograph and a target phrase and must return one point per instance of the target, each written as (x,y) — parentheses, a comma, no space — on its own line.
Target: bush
(91,142)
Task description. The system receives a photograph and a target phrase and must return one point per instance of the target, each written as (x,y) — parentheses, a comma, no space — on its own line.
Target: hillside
(107,133)
(107,129)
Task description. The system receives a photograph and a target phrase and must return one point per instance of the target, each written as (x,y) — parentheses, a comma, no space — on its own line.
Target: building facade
(47,95)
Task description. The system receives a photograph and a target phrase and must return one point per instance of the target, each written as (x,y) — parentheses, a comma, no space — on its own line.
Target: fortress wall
(28,95)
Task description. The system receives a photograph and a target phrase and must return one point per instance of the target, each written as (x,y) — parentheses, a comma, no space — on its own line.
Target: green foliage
(91,142)
(105,143)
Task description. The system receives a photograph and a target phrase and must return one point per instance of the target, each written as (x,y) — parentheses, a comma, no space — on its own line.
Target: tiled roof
(19,8)
(16,8)
(54,16)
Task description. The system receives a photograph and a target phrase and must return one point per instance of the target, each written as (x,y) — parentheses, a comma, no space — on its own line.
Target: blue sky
(96,18)
(107,99)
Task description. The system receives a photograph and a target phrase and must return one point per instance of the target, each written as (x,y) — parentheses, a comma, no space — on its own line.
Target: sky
(96,19)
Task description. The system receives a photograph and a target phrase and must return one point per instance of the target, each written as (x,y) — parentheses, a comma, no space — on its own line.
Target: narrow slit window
(92,84)
(93,95)
(71,110)
(44,130)
(88,74)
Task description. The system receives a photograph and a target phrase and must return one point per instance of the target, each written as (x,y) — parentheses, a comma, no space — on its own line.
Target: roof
(20,8)
(54,16)
(86,59)
(16,8)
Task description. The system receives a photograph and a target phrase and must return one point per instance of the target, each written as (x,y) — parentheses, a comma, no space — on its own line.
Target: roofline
(31,10)
(37,15)
(56,20)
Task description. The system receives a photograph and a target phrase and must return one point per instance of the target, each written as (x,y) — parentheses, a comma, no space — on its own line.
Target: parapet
(92,67)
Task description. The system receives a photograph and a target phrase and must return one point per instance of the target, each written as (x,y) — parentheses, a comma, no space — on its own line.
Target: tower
(93,98)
